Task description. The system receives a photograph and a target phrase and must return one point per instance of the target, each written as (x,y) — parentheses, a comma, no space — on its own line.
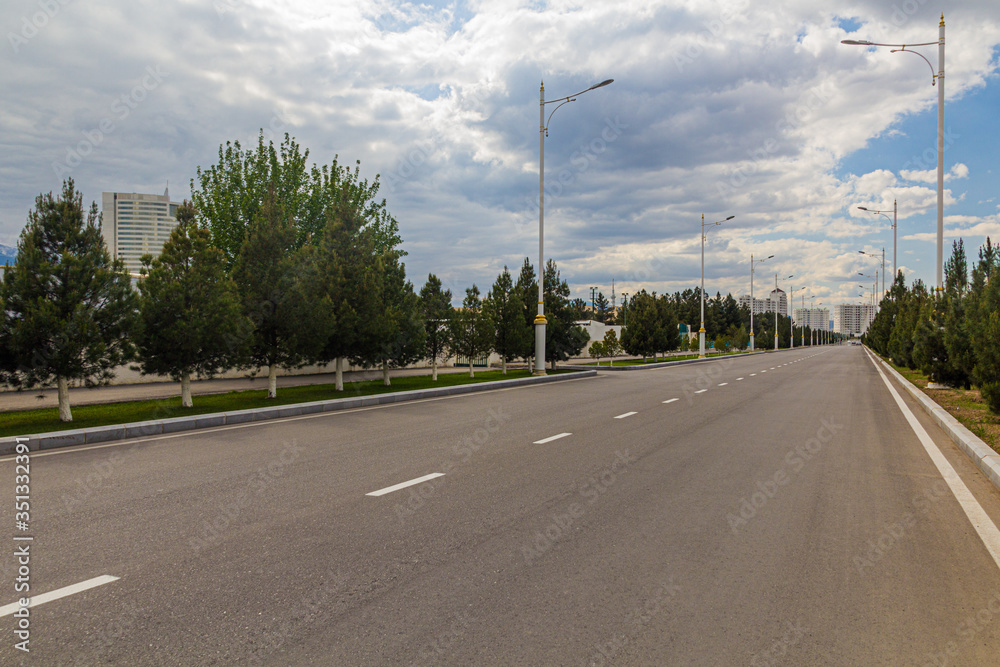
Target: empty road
(772,509)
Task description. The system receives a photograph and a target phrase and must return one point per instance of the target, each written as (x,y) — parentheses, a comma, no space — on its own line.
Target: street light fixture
(753,263)
(876,258)
(704,235)
(894,226)
(543,131)
(935,79)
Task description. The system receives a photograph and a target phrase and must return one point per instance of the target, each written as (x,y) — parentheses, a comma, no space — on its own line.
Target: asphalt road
(787,514)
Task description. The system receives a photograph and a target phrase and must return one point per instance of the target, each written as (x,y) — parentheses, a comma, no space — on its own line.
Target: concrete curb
(682,362)
(99,434)
(981,454)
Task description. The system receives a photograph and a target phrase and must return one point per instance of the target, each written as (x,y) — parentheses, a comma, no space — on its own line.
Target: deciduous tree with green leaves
(67,306)
(190,320)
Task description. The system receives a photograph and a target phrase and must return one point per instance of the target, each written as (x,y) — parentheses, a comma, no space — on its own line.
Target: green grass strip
(45,420)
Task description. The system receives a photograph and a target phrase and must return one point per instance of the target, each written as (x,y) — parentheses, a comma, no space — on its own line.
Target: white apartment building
(853,319)
(134,224)
(759,305)
(814,318)
(778,299)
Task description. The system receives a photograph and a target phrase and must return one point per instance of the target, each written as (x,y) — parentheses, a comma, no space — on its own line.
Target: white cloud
(720,108)
(930,175)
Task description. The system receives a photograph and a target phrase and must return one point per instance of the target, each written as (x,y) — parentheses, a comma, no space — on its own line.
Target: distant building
(814,318)
(759,305)
(777,301)
(135,224)
(853,319)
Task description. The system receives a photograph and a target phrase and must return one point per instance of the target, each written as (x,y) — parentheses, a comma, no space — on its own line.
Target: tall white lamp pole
(543,131)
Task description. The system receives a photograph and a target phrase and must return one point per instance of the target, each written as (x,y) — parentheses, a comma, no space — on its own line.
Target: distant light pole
(625,309)
(776,306)
(935,79)
(894,225)
(543,130)
(753,263)
(701,331)
(593,303)
(791,320)
(876,258)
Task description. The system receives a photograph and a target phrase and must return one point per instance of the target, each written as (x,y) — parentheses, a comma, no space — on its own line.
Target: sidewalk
(48,398)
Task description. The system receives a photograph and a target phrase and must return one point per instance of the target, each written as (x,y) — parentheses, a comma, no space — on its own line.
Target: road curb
(981,454)
(100,434)
(682,362)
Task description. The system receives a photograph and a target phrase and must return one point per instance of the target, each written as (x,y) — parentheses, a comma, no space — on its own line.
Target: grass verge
(965,405)
(45,420)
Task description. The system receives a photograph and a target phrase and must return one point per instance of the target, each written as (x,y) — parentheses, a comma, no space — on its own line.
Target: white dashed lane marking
(550,438)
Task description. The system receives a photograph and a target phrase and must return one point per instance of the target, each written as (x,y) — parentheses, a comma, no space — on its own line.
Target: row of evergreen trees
(954,335)
(304,269)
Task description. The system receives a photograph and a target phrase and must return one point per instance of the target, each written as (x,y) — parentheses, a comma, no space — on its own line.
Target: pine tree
(390,329)
(68,307)
(563,338)
(505,309)
(471,331)
(640,336)
(435,309)
(263,274)
(190,320)
(527,288)
(602,307)
(984,324)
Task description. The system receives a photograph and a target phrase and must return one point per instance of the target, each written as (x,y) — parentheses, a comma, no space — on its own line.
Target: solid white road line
(403,485)
(36,600)
(671,400)
(550,438)
(987,530)
(627,414)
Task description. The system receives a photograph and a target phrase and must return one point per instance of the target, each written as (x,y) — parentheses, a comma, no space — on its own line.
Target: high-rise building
(814,318)
(135,224)
(778,302)
(853,319)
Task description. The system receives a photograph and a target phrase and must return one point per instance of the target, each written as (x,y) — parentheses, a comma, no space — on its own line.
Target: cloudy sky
(740,108)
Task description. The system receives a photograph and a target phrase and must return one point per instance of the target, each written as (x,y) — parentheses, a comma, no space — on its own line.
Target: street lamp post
(936,79)
(543,131)
(776,302)
(625,309)
(752,264)
(704,235)
(894,224)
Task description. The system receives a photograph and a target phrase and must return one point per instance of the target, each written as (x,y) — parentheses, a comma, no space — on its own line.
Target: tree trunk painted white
(339,365)
(64,412)
(186,390)
(434,369)
(272,381)
(385,373)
